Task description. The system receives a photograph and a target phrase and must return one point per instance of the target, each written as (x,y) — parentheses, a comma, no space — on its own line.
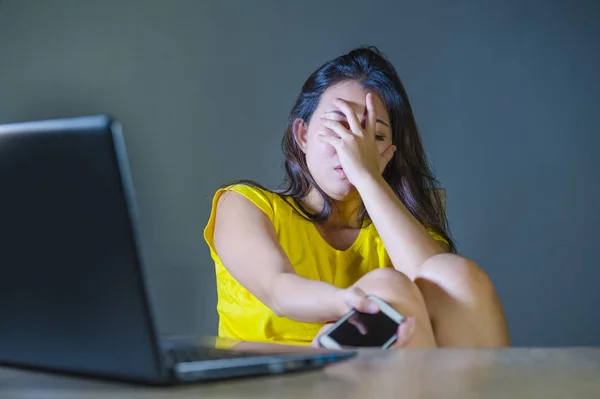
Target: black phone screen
(365,329)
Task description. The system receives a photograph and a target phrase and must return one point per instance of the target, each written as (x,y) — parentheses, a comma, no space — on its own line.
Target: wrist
(369,181)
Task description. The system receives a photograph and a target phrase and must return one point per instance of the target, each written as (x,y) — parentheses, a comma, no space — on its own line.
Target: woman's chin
(342,190)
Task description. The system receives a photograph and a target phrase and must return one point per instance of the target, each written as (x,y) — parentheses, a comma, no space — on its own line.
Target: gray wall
(506,95)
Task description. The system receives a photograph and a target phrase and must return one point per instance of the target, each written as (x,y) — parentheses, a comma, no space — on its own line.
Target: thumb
(406,330)
(358,300)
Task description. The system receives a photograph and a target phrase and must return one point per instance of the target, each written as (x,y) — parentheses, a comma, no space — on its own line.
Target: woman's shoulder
(241,205)
(264,199)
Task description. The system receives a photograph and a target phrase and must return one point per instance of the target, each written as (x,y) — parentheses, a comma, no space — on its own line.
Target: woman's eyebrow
(335,111)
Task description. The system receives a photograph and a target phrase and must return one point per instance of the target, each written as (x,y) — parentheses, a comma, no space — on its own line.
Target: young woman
(358,214)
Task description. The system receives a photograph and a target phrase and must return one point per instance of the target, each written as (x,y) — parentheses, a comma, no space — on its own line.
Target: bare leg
(403,295)
(463,305)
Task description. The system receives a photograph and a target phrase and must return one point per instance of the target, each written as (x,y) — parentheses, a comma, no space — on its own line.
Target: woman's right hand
(404,334)
(355,298)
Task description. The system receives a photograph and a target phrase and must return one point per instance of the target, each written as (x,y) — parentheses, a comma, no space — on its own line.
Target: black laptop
(72,285)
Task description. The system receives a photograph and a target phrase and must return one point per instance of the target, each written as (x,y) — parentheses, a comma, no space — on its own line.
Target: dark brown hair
(408,173)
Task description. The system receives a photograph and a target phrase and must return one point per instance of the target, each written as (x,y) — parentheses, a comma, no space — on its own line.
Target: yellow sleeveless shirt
(242,316)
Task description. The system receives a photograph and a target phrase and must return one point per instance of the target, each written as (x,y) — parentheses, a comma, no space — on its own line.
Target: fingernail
(373,308)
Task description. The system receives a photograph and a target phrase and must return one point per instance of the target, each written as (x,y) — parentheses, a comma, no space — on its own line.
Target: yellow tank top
(242,316)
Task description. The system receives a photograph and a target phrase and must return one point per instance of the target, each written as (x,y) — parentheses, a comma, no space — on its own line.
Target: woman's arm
(407,242)
(246,243)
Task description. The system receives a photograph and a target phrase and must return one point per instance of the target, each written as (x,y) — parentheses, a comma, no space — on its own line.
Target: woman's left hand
(404,334)
(357,148)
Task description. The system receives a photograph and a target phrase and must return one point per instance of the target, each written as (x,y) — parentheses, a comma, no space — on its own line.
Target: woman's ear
(300,131)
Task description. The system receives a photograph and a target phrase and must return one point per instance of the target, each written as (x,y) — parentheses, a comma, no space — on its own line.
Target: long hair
(408,173)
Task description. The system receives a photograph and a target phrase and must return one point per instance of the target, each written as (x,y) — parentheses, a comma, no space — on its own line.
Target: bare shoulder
(238,219)
(233,205)
(246,242)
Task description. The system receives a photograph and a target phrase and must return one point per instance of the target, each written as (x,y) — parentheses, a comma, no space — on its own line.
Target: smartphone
(358,329)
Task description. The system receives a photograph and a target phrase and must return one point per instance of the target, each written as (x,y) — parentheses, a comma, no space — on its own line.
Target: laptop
(74,293)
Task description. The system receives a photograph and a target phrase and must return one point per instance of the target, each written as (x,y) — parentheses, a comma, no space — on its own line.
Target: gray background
(506,94)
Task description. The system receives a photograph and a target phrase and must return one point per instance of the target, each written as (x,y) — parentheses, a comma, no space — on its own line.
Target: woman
(358,215)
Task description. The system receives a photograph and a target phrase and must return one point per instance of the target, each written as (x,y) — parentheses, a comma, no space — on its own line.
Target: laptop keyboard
(194,354)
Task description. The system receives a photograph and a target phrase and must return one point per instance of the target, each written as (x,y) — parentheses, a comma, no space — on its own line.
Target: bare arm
(246,243)
(408,243)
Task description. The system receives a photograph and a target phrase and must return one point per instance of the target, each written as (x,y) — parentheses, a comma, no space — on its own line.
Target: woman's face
(322,158)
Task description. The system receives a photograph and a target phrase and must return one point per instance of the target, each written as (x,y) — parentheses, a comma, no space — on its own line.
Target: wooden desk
(443,373)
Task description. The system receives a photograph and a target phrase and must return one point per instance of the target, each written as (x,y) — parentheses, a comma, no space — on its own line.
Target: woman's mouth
(340,170)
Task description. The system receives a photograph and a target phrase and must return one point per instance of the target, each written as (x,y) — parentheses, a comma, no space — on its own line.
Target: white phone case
(327,342)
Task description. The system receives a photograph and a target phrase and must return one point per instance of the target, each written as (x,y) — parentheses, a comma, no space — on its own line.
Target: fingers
(350,116)
(355,321)
(371,114)
(329,139)
(358,300)
(406,331)
(335,126)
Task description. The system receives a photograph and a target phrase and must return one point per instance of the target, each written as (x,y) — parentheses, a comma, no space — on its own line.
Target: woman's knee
(448,278)
(390,285)
(464,307)
(400,292)
(457,274)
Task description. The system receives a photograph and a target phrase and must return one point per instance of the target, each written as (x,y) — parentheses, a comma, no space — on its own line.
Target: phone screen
(365,329)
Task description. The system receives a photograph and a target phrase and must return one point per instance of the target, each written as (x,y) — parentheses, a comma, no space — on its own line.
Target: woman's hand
(405,332)
(355,298)
(357,149)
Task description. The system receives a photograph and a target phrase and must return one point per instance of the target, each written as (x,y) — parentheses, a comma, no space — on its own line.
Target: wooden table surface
(442,373)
